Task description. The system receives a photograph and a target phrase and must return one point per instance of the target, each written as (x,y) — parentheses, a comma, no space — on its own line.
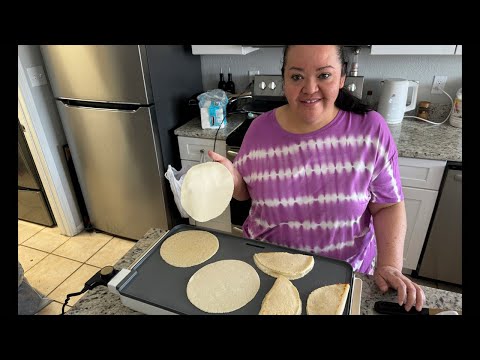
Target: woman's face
(312,80)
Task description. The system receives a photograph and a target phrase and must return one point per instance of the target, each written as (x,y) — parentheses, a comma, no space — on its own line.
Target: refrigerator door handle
(130,108)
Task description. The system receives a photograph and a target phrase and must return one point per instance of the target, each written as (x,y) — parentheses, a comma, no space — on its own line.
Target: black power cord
(102,277)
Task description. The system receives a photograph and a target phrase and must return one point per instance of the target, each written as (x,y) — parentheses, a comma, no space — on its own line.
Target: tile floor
(57,265)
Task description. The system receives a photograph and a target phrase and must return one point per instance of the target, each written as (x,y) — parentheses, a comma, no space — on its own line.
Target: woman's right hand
(240,191)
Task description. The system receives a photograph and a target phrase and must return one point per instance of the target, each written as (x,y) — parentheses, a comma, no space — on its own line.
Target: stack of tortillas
(328,300)
(223,286)
(291,266)
(189,248)
(282,299)
(206,191)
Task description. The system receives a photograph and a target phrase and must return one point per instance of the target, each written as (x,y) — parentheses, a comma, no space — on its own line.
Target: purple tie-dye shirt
(311,191)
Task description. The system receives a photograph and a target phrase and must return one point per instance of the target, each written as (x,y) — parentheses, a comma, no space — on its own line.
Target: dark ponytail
(345,100)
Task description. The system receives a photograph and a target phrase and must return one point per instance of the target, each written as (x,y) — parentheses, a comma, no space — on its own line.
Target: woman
(322,173)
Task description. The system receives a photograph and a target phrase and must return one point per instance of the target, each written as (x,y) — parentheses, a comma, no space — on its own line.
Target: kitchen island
(100,301)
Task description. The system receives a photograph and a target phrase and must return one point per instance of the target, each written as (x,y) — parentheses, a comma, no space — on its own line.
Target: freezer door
(33,207)
(27,172)
(106,73)
(117,158)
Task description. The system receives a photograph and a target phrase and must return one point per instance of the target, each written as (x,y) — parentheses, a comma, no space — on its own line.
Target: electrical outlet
(252,73)
(37,76)
(438,83)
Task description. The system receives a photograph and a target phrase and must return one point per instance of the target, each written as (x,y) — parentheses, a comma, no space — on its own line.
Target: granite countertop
(414,138)
(193,128)
(100,301)
(418,139)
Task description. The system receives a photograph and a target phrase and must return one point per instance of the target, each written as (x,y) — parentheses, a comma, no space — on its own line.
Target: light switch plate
(37,76)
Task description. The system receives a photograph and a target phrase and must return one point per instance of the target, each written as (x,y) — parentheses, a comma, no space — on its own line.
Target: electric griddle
(152,286)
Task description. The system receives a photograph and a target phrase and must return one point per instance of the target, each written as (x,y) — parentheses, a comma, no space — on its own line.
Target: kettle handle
(413,101)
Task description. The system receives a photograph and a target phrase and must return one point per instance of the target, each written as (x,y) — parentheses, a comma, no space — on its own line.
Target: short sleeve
(385,186)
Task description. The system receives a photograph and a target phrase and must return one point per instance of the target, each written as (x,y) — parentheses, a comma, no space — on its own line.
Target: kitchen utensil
(393,99)
(392,308)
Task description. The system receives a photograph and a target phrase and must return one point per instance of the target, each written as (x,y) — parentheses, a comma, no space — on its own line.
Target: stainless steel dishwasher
(442,254)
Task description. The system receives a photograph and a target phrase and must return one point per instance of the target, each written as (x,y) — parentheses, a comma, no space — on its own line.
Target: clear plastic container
(456,117)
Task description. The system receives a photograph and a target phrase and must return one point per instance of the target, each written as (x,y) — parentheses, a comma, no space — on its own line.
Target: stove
(267,94)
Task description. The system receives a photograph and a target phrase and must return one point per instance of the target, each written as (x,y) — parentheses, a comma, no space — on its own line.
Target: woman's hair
(345,100)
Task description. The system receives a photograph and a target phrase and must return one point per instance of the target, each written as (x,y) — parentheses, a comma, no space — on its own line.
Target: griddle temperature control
(102,277)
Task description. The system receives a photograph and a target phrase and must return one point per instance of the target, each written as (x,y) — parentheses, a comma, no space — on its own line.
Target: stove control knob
(272,85)
(262,85)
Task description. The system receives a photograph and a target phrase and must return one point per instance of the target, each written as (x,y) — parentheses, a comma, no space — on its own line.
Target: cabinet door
(419,205)
(192,148)
(413,49)
(222,49)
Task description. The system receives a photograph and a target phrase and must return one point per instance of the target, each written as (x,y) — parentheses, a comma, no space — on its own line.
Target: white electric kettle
(393,99)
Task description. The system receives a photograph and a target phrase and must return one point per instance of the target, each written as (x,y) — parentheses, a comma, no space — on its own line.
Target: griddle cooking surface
(154,282)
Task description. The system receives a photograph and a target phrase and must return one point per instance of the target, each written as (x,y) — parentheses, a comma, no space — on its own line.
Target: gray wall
(373,67)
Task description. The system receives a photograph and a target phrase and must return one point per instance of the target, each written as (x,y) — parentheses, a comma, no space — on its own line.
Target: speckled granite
(414,138)
(419,139)
(193,128)
(435,298)
(100,301)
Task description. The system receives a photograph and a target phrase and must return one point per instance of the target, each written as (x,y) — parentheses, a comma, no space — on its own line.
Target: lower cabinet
(421,181)
(419,204)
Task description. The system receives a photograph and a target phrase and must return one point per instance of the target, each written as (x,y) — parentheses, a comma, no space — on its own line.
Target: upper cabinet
(414,49)
(222,49)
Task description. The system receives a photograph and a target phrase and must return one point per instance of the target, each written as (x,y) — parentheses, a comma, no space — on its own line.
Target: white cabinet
(420,182)
(222,49)
(191,150)
(458,50)
(413,49)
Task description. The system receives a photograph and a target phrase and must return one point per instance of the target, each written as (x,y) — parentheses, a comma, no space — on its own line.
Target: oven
(267,94)
(238,209)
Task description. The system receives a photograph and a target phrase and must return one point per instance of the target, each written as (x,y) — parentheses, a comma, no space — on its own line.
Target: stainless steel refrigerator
(33,204)
(119,105)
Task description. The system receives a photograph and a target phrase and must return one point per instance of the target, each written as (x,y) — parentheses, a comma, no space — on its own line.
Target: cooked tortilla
(292,266)
(282,299)
(223,286)
(328,300)
(189,248)
(206,191)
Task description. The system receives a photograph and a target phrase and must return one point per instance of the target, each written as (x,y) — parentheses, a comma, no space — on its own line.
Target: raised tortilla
(292,266)
(206,191)
(223,286)
(328,300)
(282,299)
(189,248)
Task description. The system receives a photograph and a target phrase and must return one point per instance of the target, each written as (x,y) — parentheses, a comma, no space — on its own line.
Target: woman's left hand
(408,292)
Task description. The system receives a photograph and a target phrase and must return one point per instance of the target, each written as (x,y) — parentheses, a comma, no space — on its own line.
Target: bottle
(456,117)
(424,110)
(230,87)
(221,84)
